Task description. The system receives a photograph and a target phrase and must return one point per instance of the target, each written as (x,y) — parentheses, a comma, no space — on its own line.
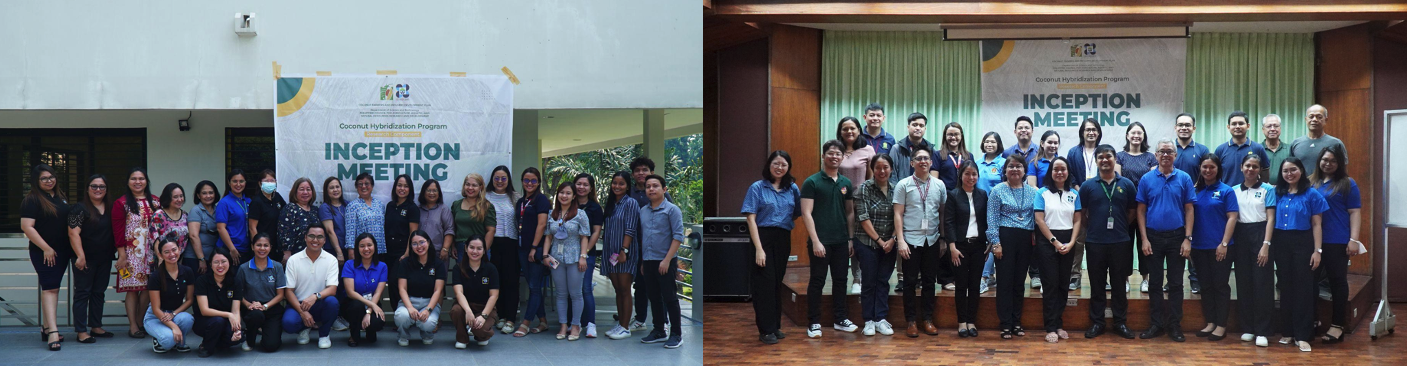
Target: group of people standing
(246,267)
(1277,212)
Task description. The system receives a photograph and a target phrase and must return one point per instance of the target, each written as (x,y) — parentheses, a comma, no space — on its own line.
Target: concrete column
(654,138)
(527,146)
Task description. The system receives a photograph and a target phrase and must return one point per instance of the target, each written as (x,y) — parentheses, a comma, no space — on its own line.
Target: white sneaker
(244,346)
(618,332)
(324,342)
(855,289)
(982,288)
(590,330)
(636,325)
(339,325)
(884,327)
(458,345)
(869,328)
(814,331)
(1262,342)
(483,342)
(303,336)
(1126,287)
(427,339)
(950,287)
(845,325)
(1248,337)
(1036,283)
(403,342)
(1144,287)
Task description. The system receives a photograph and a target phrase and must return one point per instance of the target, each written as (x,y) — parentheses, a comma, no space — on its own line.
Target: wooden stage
(1076,317)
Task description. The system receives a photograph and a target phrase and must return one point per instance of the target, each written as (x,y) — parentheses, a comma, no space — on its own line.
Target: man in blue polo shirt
(1233,152)
(1023,130)
(1189,156)
(1109,202)
(874,133)
(1166,194)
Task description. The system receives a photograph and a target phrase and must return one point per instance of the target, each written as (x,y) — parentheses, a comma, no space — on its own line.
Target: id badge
(924,226)
(1110,224)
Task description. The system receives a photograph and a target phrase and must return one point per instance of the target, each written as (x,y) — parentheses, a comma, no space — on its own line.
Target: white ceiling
(569,131)
(1198,27)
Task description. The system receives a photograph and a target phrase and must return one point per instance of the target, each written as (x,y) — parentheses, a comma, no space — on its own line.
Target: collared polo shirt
(1335,221)
(217,297)
(1232,155)
(922,203)
(420,278)
(989,173)
(1039,168)
(1188,158)
(881,143)
(659,227)
(776,209)
(1252,202)
(364,280)
(1294,211)
(1103,202)
(828,210)
(307,277)
(1165,196)
(234,213)
(1210,211)
(261,286)
(1059,208)
(478,283)
(1277,157)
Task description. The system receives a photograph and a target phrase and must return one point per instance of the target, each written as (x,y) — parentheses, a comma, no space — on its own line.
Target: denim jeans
(536,275)
(427,327)
(163,334)
(324,312)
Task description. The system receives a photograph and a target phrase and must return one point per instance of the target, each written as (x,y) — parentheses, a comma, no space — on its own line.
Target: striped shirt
(506,226)
(1008,207)
(365,217)
(877,207)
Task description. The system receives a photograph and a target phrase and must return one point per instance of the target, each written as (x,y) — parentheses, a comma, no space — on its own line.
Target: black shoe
(769,338)
(1123,331)
(899,287)
(1196,287)
(1094,331)
(202,352)
(1152,332)
(1074,284)
(1203,334)
(1176,334)
(1215,338)
(962,333)
(780,335)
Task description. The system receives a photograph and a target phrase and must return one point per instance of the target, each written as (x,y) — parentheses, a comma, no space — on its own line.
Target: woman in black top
(90,235)
(170,287)
(264,209)
(402,218)
(42,215)
(218,321)
(966,206)
(475,293)
(532,220)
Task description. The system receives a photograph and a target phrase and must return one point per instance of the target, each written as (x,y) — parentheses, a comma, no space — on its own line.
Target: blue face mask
(268,187)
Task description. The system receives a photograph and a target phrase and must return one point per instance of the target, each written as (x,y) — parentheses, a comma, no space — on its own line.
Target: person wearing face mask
(827,210)
(217,318)
(296,218)
(265,207)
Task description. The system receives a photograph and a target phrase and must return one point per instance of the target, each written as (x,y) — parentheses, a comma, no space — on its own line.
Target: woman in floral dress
(131,226)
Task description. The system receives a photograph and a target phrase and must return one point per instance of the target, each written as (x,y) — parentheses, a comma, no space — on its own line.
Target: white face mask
(268,187)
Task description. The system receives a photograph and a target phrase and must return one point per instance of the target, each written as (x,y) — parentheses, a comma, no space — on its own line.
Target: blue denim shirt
(778,209)
(658,226)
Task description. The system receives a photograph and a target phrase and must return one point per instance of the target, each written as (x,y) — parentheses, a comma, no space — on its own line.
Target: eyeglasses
(97,187)
(421,243)
(1165,152)
(315,237)
(921,159)
(500,179)
(364,184)
(48,179)
(530,181)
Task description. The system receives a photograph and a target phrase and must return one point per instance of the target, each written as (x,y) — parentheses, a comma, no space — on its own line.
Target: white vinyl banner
(427,127)
(1059,84)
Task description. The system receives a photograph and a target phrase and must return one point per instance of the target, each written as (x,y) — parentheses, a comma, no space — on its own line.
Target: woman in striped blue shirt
(617,237)
(1010,221)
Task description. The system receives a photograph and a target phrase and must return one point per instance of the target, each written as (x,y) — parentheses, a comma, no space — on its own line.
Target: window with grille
(75,153)
(250,150)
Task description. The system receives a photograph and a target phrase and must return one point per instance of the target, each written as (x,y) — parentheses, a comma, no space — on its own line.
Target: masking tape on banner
(385,72)
(324,73)
(511,78)
(278,72)
(457,74)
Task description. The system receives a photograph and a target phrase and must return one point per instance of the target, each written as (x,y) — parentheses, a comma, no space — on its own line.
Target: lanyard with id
(923,200)
(1109,193)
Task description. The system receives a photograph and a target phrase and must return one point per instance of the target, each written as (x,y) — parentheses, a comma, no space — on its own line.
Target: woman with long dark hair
(421,280)
(1340,229)
(131,232)
(42,214)
(619,233)
(1216,212)
(265,206)
(502,245)
(854,164)
(402,218)
(569,230)
(475,292)
(964,221)
(532,212)
(90,235)
(263,281)
(172,219)
(1135,161)
(217,319)
(170,287)
(1296,244)
(585,186)
(1255,278)
(364,278)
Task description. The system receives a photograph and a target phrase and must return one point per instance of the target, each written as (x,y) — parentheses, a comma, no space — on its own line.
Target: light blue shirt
(658,227)
(1008,207)
(989,174)
(566,236)
(778,209)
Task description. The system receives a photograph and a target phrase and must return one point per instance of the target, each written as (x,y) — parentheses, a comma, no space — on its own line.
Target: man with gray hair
(1275,149)
(1167,194)
(1308,147)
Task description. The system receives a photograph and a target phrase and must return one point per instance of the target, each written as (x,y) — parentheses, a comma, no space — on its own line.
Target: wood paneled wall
(796,108)
(742,114)
(1389,93)
(1344,86)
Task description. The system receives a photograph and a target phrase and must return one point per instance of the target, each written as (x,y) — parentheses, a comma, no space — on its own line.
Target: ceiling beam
(1034,11)
(727,34)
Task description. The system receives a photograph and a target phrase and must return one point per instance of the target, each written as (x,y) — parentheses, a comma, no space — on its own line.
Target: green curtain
(904,71)
(1259,73)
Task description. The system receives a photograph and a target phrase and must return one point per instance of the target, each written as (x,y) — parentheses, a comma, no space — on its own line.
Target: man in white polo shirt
(312,282)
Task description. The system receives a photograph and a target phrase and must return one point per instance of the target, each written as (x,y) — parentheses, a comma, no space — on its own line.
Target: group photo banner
(426,127)
(1060,83)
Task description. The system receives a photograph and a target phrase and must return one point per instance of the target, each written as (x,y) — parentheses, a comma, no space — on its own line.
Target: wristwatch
(625,250)
(1223,244)
(1267,243)
(1319,250)
(583,256)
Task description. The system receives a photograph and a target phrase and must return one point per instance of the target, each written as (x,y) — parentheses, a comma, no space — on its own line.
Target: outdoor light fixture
(185,123)
(954,32)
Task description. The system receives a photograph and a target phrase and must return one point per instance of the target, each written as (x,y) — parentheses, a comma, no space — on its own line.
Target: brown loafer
(929,328)
(913,330)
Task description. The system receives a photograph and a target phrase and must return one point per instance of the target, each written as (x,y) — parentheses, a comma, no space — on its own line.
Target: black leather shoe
(1094,331)
(780,335)
(1176,334)
(1152,332)
(769,338)
(962,333)
(1123,331)
(1203,334)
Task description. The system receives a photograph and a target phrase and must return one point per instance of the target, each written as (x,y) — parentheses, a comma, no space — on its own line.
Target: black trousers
(1111,264)
(968,276)
(1216,286)
(1167,247)
(268,323)
(876,267)
(1255,284)
(660,288)
(392,259)
(1334,260)
(642,300)
(504,256)
(89,292)
(1055,273)
(767,280)
(837,261)
(1143,262)
(1294,248)
(1015,259)
(215,333)
(946,272)
(920,272)
(353,311)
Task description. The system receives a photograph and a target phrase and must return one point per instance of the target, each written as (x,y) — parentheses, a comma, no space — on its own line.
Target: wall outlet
(791,259)
(1073,302)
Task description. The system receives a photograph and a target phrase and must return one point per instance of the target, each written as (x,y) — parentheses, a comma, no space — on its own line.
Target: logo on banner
(1082,50)
(395,92)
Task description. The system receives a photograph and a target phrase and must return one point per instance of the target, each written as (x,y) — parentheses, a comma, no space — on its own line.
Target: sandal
(90,339)
(1062,334)
(1052,337)
(139,334)
(1304,346)
(522,330)
(44,336)
(1018,331)
(1006,334)
(541,327)
(104,334)
(55,345)
(1328,339)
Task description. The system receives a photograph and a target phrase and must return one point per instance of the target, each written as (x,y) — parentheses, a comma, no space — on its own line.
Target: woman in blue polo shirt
(1340,230)
(1057,208)
(771,206)
(989,174)
(231,218)
(1214,216)
(1255,278)
(365,275)
(1040,165)
(1296,245)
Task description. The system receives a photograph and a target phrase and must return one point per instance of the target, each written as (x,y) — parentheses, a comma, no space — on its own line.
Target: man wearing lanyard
(1167,195)
(1109,204)
(918,199)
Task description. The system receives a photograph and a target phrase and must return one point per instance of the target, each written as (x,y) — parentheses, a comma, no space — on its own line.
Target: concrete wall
(166,54)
